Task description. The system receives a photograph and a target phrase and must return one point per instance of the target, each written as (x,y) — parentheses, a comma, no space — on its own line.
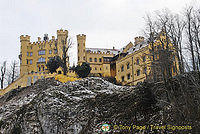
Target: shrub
(83,70)
(53,64)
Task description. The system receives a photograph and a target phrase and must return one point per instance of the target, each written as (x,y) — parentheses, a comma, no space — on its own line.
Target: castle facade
(128,65)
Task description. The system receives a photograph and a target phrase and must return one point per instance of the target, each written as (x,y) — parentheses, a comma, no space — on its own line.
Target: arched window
(90,59)
(138,72)
(122,68)
(137,61)
(144,58)
(128,65)
(145,70)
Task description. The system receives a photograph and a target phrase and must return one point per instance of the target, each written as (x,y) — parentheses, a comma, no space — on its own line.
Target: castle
(128,65)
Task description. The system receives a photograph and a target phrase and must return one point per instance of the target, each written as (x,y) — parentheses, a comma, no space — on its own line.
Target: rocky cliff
(83,106)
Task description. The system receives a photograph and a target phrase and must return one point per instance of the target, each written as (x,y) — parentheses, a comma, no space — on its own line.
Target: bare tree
(177,26)
(67,43)
(3,74)
(162,51)
(188,21)
(12,74)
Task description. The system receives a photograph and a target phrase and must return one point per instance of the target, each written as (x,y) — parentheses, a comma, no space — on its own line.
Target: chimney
(138,40)
(46,37)
(39,39)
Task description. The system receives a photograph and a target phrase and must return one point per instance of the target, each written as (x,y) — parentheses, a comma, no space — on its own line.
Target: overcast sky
(106,23)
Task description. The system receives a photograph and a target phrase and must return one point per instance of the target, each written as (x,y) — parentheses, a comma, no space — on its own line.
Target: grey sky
(106,23)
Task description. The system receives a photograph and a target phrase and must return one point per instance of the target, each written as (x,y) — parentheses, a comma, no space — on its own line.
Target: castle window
(41,52)
(122,78)
(31,61)
(39,69)
(145,70)
(174,69)
(100,68)
(128,76)
(128,66)
(95,68)
(78,58)
(41,59)
(43,68)
(50,51)
(27,53)
(137,61)
(144,58)
(84,58)
(55,51)
(99,59)
(31,53)
(95,59)
(90,59)
(26,61)
(138,72)
(122,68)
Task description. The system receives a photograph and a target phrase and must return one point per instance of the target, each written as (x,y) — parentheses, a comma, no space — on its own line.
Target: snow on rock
(81,106)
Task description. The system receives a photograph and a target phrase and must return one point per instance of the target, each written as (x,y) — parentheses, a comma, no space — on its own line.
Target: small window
(39,69)
(27,53)
(50,51)
(41,52)
(128,66)
(31,61)
(84,58)
(122,68)
(41,59)
(138,72)
(137,61)
(31,54)
(95,59)
(122,78)
(174,69)
(144,58)
(100,60)
(26,61)
(128,76)
(95,68)
(55,51)
(145,70)
(90,59)
(100,68)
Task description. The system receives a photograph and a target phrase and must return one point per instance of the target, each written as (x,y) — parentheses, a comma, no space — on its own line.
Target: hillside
(51,107)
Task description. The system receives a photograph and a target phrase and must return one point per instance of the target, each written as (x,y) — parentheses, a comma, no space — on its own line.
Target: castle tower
(25,40)
(62,36)
(81,48)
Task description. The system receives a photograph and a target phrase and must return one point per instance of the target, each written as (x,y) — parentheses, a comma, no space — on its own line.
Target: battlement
(62,32)
(81,36)
(25,38)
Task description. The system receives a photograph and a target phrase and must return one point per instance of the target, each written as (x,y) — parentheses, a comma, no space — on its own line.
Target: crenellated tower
(62,36)
(25,40)
(81,39)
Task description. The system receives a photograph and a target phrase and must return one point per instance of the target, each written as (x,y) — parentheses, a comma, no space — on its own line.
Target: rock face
(51,107)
